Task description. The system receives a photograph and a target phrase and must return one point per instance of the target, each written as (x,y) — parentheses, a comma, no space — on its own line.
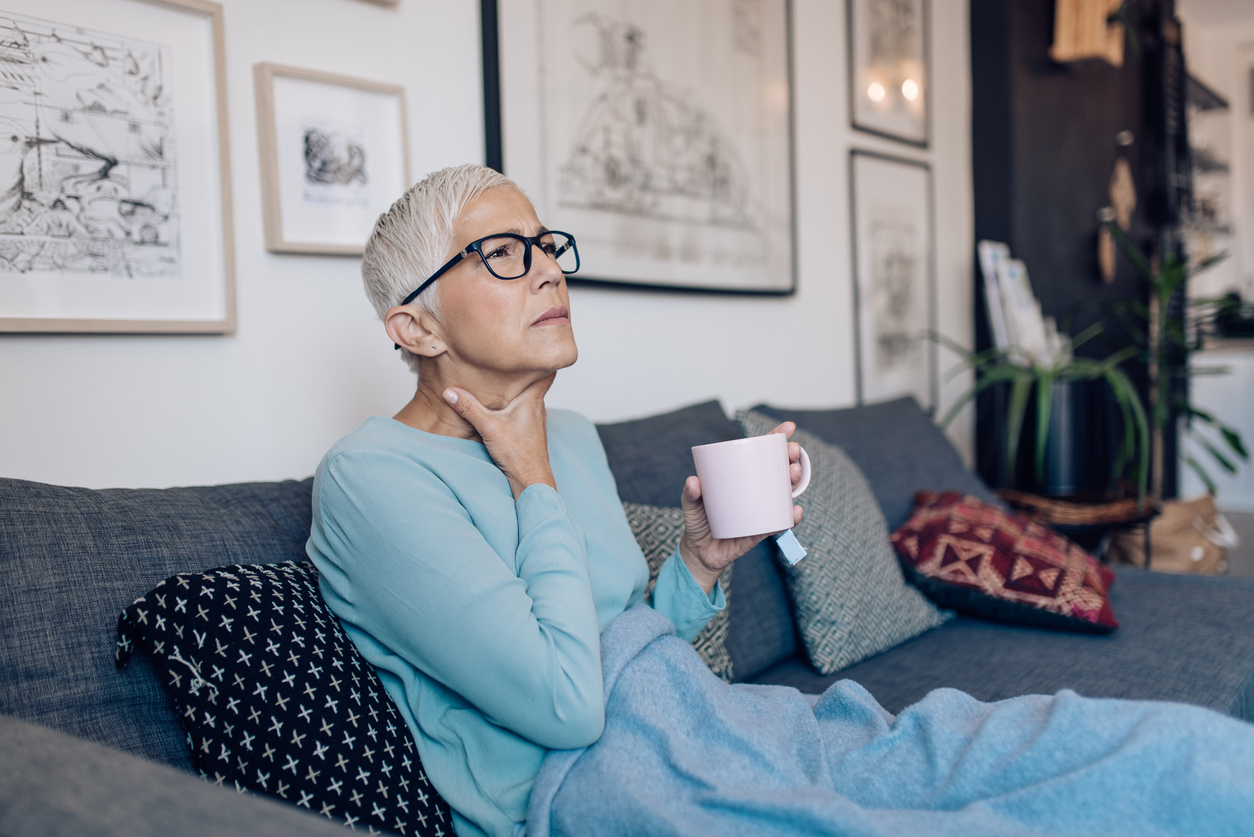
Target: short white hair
(411,240)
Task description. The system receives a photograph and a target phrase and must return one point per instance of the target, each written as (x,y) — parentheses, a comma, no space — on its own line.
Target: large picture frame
(889,70)
(334,156)
(119,141)
(658,133)
(894,282)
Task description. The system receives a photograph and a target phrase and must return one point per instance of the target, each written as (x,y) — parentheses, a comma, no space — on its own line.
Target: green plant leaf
(996,376)
(1224,462)
(1127,394)
(1044,404)
(1130,250)
(1233,438)
(1086,335)
(1019,392)
(1201,474)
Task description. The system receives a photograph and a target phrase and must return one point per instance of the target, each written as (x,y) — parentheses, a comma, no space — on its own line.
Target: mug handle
(805,474)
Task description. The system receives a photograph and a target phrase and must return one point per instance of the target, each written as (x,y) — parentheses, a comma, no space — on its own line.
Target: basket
(1058,512)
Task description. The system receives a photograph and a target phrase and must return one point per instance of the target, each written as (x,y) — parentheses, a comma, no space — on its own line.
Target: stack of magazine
(1014,312)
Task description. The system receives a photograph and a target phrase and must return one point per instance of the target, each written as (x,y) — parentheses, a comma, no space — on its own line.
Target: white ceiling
(1216,12)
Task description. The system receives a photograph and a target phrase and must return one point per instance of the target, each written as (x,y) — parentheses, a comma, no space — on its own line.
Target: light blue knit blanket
(685,754)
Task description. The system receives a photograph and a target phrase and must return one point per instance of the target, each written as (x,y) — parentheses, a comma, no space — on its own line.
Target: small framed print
(115,206)
(334,155)
(894,296)
(889,87)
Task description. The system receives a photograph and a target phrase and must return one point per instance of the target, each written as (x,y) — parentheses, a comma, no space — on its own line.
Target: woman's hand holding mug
(752,485)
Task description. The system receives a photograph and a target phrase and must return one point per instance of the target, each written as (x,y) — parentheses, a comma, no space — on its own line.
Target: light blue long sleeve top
(482,614)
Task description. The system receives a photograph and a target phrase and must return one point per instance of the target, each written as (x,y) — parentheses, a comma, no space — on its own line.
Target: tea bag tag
(790,547)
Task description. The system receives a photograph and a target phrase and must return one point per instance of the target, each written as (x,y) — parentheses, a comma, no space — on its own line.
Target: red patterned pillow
(977,558)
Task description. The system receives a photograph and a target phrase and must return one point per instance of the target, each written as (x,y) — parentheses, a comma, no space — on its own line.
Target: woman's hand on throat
(516,435)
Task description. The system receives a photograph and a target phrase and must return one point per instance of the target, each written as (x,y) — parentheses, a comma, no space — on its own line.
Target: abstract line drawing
(897,312)
(335,166)
(893,292)
(88,179)
(643,147)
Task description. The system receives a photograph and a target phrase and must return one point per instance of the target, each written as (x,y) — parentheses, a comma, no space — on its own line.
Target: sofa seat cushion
(899,449)
(53,784)
(72,558)
(276,699)
(1182,638)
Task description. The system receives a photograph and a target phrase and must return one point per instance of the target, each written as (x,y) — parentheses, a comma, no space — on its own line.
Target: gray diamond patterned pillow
(848,594)
(658,530)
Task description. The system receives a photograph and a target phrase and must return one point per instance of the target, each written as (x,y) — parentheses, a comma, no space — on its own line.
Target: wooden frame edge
(264,74)
(227,325)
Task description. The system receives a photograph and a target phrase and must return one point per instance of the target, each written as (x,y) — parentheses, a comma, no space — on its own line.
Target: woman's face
(517,328)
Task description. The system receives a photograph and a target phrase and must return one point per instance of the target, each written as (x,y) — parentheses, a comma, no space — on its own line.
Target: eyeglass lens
(506,256)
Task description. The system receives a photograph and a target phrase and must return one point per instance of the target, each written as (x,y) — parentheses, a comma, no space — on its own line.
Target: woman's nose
(544,269)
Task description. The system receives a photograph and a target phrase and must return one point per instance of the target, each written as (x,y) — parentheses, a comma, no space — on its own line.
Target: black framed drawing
(658,133)
(116,215)
(889,73)
(894,282)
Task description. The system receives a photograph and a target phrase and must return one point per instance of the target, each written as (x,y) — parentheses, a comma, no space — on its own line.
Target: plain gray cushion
(1182,638)
(651,457)
(898,448)
(72,558)
(52,784)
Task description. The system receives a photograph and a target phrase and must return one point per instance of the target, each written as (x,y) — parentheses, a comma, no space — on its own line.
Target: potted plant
(1030,378)
(1165,345)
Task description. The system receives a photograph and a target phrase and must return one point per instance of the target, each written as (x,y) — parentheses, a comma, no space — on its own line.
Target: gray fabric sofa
(72,558)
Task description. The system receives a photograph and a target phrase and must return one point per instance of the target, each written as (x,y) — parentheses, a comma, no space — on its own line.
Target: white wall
(1219,50)
(309,361)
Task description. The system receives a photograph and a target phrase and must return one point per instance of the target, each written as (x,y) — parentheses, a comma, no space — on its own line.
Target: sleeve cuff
(679,598)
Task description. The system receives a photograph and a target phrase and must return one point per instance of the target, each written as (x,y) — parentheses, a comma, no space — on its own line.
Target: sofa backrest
(651,457)
(899,449)
(72,558)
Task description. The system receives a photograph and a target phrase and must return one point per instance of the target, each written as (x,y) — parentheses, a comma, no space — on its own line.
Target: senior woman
(474,545)
(474,548)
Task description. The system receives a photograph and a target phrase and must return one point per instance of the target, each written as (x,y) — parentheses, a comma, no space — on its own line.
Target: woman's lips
(554,316)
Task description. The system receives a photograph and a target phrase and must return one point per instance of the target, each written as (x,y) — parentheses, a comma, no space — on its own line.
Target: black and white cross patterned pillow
(276,699)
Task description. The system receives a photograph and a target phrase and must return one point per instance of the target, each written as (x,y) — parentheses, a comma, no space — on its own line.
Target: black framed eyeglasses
(508,256)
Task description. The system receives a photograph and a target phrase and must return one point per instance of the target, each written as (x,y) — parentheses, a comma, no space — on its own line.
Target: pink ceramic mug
(746,485)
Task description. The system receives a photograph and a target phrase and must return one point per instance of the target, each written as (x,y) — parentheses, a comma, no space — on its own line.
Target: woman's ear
(413,330)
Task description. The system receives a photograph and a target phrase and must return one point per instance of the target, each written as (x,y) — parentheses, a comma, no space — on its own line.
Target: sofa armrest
(55,784)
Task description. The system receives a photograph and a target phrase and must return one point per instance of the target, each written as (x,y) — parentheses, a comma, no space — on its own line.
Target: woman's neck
(428,411)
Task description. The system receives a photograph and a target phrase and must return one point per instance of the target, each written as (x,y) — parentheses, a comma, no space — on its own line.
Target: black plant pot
(1083,435)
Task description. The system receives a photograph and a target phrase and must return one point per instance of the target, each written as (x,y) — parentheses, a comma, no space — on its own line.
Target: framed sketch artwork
(333,157)
(115,206)
(889,87)
(894,300)
(657,133)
